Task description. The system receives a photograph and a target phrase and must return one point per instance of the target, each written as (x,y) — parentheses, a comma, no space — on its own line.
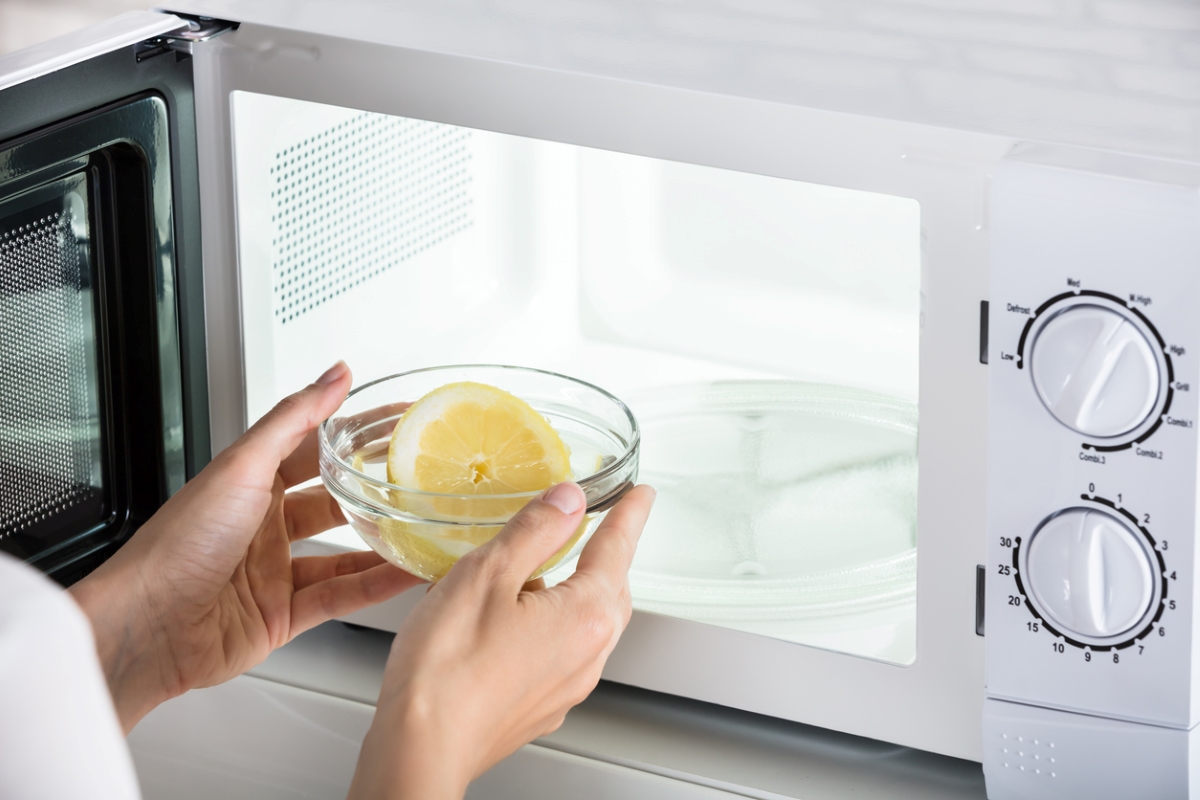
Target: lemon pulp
(465,440)
(473,439)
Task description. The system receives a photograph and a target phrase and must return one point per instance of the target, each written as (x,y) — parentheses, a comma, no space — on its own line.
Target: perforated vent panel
(49,459)
(360,198)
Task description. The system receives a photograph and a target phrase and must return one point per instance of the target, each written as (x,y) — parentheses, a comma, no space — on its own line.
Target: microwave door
(102,378)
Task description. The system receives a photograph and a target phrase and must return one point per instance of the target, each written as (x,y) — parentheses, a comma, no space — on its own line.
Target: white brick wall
(1168,16)
(1117,74)
(1156,80)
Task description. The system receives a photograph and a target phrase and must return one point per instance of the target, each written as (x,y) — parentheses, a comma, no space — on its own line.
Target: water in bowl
(431,547)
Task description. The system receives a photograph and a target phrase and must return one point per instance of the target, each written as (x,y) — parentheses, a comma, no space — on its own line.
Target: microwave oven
(910,347)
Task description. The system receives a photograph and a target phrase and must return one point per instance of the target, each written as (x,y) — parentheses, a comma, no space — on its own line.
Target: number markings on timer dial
(1098,616)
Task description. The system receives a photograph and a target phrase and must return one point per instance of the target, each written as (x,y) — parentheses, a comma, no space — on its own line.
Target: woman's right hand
(485,663)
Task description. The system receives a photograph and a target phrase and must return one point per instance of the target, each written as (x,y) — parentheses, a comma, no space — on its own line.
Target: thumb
(269,441)
(535,533)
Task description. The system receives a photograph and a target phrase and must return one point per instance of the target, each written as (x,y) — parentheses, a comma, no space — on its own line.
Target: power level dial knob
(1095,371)
(1089,573)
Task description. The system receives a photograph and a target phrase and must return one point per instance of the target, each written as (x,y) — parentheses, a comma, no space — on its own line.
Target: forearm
(125,643)
(403,759)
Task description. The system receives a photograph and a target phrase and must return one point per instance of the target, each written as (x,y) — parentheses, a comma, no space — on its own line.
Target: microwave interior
(764,332)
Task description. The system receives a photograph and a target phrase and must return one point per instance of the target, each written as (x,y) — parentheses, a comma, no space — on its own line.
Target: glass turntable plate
(787,509)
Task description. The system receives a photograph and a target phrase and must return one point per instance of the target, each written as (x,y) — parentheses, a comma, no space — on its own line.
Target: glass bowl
(425,533)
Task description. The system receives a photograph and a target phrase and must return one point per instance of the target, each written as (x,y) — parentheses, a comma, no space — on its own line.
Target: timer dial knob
(1095,371)
(1089,574)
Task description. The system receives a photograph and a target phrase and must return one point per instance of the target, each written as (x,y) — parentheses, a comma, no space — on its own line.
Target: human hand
(484,664)
(207,588)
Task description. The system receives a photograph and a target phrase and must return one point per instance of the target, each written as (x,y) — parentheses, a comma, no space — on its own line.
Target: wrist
(116,606)
(407,755)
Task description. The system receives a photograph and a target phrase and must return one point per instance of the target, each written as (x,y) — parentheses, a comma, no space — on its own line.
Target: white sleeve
(59,734)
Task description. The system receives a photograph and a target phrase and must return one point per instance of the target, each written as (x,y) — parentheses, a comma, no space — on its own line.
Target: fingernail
(566,497)
(332,374)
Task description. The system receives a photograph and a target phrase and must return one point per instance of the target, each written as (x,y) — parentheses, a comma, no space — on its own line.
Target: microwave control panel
(1094,377)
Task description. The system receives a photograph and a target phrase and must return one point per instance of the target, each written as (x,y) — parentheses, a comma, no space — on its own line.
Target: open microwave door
(102,383)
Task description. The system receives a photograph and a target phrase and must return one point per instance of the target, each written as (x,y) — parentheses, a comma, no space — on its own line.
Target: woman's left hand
(207,588)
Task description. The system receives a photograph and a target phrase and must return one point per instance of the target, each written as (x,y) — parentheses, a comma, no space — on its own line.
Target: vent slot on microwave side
(358,198)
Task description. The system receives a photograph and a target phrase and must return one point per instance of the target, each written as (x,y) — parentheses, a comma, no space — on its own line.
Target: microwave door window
(764,331)
(51,478)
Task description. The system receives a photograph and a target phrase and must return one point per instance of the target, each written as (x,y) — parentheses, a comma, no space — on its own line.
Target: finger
(308,570)
(609,553)
(374,423)
(303,465)
(263,448)
(345,594)
(535,585)
(307,512)
(381,412)
(535,533)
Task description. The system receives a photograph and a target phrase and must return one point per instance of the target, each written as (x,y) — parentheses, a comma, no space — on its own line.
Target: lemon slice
(468,440)
(473,439)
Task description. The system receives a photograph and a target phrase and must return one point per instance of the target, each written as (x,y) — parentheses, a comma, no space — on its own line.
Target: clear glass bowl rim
(631,447)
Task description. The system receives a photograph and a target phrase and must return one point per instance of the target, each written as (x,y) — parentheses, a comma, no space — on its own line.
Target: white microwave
(777,237)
